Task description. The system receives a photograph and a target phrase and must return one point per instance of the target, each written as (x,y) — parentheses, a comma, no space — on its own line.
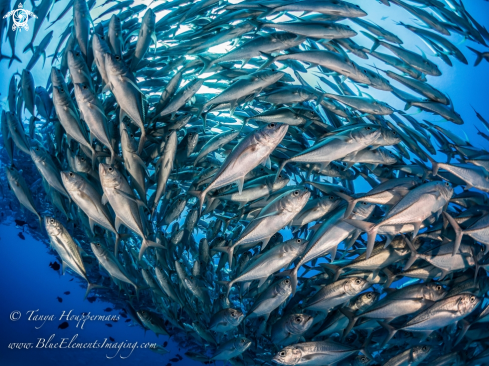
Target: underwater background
(30,283)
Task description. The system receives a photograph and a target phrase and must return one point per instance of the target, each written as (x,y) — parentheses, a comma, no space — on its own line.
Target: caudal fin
(280,168)
(391,331)
(369,228)
(458,232)
(478,54)
(414,254)
(227,285)
(90,287)
(200,196)
(148,243)
(351,203)
(14,57)
(352,320)
(229,251)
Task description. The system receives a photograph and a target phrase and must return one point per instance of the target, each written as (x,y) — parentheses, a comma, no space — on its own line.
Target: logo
(20,17)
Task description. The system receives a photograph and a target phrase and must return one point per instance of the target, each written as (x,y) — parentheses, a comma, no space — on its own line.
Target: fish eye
(331,197)
(111,169)
(394,132)
(77,54)
(132,135)
(296,193)
(52,221)
(369,295)
(102,37)
(98,244)
(242,340)
(364,359)
(82,159)
(438,288)
(143,312)
(85,87)
(61,90)
(287,281)
(298,319)
(357,282)
(298,240)
(364,203)
(424,348)
(233,314)
(117,57)
(368,128)
(472,298)
(191,278)
(37,149)
(272,125)
(447,184)
(71,174)
(280,175)
(282,353)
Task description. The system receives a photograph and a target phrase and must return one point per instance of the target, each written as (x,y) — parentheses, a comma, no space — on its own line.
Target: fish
(59,299)
(63,325)
(209,169)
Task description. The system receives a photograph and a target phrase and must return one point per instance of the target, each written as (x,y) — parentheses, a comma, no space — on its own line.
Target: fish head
(272,133)
(242,344)
(433,291)
(354,11)
(365,135)
(361,360)
(109,175)
(366,299)
(99,250)
(27,79)
(83,90)
(53,226)
(39,155)
(284,286)
(114,65)
(60,96)
(56,77)
(445,189)
(288,356)
(388,157)
(81,164)
(329,202)
(128,141)
(296,200)
(72,181)
(149,19)
(419,353)
(13,175)
(388,137)
(299,323)
(467,303)
(281,181)
(76,60)
(234,316)
(363,210)
(115,25)
(354,285)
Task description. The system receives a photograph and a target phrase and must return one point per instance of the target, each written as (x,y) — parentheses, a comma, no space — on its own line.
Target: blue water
(27,281)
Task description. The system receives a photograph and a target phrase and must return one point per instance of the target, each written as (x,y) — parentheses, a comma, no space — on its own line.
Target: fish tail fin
(280,168)
(229,251)
(478,54)
(434,165)
(465,327)
(369,228)
(30,46)
(352,320)
(414,254)
(200,196)
(90,287)
(351,203)
(390,329)
(372,38)
(227,285)
(14,57)
(208,61)
(142,140)
(148,243)
(336,270)
(459,233)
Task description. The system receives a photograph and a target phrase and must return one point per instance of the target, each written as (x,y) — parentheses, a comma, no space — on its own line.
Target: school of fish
(229,219)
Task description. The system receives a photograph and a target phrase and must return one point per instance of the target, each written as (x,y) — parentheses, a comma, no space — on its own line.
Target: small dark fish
(108,310)
(127,320)
(168,364)
(55,266)
(20,235)
(63,325)
(179,357)
(91,299)
(59,299)
(109,325)
(20,222)
(123,315)
(165,344)
(174,359)
(112,339)
(70,280)
(66,292)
